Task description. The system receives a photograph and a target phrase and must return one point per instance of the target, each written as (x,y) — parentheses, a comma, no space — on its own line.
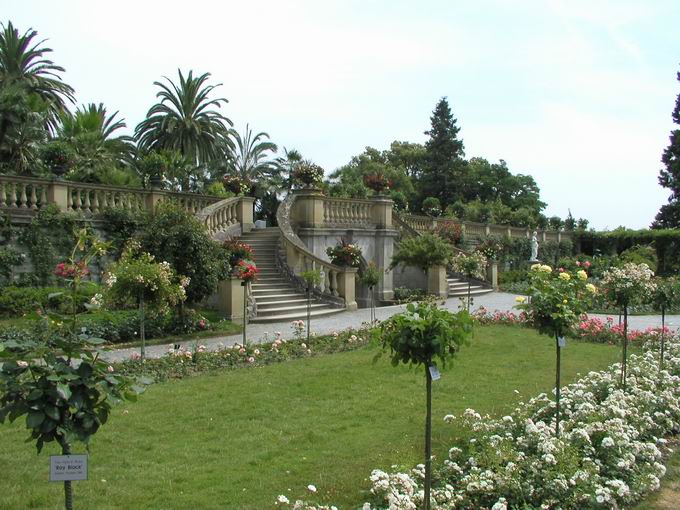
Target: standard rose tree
(625,286)
(419,337)
(60,381)
(557,301)
(139,278)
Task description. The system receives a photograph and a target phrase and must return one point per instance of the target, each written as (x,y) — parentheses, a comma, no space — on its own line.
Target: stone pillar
(245,213)
(230,299)
(57,194)
(384,249)
(347,287)
(382,211)
(308,209)
(492,273)
(436,282)
(153,199)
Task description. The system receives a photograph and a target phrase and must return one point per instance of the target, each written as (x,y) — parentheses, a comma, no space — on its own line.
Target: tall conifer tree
(445,167)
(669,176)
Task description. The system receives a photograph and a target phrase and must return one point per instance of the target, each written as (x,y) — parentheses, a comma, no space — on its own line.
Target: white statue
(534,248)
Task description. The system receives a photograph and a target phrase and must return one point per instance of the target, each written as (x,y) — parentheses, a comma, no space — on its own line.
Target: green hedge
(666,242)
(17,301)
(118,326)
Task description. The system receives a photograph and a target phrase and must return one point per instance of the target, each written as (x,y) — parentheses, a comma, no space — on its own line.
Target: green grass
(239,438)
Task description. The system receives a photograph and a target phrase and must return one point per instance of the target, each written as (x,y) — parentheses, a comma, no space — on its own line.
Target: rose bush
(609,455)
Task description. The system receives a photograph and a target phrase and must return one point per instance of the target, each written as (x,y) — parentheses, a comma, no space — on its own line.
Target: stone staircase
(459,288)
(277,299)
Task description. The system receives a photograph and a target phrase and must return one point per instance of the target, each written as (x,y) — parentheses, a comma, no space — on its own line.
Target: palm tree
(90,131)
(250,159)
(286,165)
(23,64)
(185,120)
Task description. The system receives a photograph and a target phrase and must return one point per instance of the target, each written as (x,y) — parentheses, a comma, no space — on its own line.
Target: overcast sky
(578,94)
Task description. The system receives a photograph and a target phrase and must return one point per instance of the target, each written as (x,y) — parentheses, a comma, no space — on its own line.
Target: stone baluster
(333,275)
(34,198)
(86,202)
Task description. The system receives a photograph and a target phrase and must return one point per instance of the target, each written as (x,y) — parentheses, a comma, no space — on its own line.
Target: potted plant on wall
(344,254)
(237,185)
(58,157)
(308,175)
(378,182)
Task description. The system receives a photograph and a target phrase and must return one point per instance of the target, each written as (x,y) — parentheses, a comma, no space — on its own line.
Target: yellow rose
(591,288)
(545,269)
(520,299)
(536,267)
(565,276)
(582,275)
(565,301)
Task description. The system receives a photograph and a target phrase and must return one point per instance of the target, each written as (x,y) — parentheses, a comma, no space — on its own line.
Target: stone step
(289,309)
(271,287)
(285,317)
(473,292)
(269,293)
(269,303)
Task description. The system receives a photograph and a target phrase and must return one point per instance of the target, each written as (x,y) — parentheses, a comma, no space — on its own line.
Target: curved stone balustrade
(222,215)
(337,283)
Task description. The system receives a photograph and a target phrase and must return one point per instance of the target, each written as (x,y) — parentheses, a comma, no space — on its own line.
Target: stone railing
(314,210)
(343,212)
(478,230)
(337,283)
(27,194)
(230,216)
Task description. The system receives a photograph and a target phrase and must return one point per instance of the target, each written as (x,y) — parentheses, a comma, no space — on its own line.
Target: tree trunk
(142,332)
(68,489)
(309,312)
(558,370)
(245,311)
(428,437)
(663,336)
(625,348)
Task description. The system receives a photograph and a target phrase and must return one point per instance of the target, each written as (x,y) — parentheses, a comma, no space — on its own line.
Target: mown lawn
(237,439)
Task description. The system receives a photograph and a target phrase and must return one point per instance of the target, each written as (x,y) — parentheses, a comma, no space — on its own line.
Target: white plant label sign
(561,341)
(434,372)
(68,467)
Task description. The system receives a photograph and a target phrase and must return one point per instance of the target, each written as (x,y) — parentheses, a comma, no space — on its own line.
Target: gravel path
(258,333)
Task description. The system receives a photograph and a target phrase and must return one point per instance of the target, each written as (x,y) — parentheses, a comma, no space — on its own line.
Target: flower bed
(182,362)
(608,455)
(589,329)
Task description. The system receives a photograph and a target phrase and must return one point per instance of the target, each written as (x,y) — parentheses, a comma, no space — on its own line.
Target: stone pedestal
(492,273)
(57,194)
(436,282)
(230,299)
(245,213)
(308,209)
(381,211)
(347,287)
